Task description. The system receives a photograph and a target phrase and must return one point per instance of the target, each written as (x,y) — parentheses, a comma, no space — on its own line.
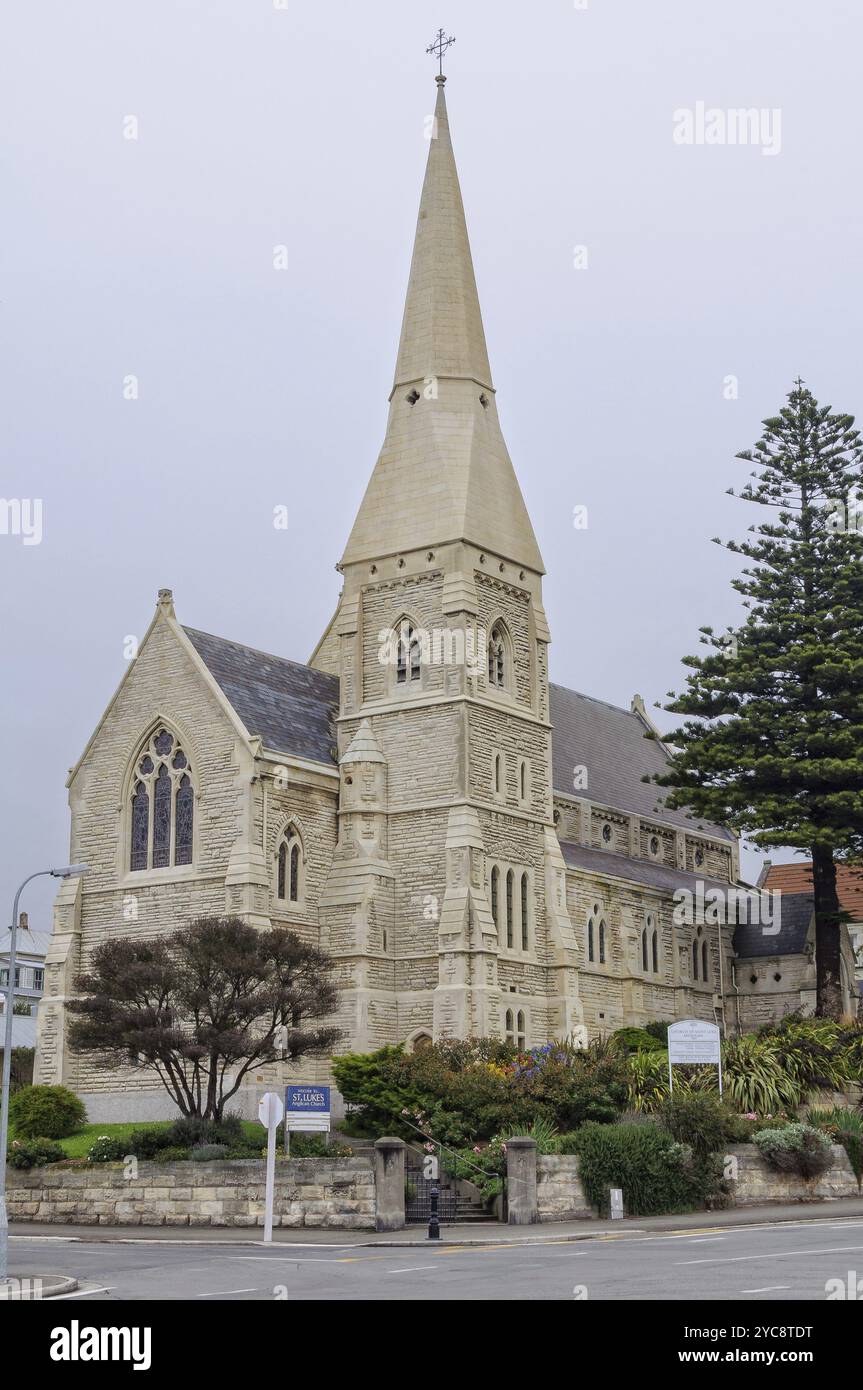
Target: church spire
(442,333)
(443,474)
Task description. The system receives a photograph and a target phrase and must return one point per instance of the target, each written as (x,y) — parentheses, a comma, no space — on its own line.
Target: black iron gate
(419,1181)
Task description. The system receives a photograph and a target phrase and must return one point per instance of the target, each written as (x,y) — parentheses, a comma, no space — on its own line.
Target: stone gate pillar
(521,1181)
(389,1184)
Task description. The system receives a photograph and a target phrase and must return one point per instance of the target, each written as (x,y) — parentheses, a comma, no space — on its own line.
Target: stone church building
(474,845)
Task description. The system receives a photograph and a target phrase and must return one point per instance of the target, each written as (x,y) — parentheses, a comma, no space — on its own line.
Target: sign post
(693,1043)
(270,1112)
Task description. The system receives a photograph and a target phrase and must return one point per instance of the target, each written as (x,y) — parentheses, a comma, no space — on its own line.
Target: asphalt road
(785,1262)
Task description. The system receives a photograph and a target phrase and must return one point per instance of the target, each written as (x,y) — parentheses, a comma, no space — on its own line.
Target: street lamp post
(68,871)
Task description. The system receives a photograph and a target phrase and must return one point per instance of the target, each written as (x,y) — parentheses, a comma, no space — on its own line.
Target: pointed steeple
(442,333)
(444,473)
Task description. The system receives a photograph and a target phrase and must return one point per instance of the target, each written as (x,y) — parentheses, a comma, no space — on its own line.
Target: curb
(52,1286)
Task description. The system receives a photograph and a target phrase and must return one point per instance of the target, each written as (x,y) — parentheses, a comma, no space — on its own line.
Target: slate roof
(611,743)
(291,707)
(643,871)
(794,918)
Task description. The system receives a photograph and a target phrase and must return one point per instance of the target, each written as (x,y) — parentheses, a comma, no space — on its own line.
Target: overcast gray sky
(302,124)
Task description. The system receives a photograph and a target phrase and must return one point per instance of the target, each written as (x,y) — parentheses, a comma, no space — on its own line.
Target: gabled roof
(613,746)
(795,915)
(797,878)
(289,706)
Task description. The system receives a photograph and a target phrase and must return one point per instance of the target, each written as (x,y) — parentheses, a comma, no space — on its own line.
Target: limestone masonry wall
(325,1192)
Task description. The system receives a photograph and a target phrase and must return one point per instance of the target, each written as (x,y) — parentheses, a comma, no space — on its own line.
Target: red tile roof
(797,878)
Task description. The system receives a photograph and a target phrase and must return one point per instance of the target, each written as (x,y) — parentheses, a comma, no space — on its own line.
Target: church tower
(446,902)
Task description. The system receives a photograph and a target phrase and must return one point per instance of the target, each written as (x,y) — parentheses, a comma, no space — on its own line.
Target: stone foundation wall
(324,1192)
(756,1182)
(559,1194)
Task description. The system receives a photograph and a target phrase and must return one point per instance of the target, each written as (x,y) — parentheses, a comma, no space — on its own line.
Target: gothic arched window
(655,953)
(602,942)
(521,1031)
(695,960)
(495,886)
(644,950)
(162,806)
(510,878)
(510,1026)
(497,657)
(525,913)
(289,867)
(705,973)
(408,653)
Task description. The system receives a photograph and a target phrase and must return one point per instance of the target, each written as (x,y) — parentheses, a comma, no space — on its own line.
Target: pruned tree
(774,745)
(202,1006)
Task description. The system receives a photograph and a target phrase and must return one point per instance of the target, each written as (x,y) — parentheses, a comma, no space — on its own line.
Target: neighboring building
(474,845)
(30,951)
(783,967)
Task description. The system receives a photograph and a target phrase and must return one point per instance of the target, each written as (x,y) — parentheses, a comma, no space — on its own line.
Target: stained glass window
(183,821)
(495,875)
(509,886)
(162,819)
(602,943)
(283,859)
(295,872)
(140,827)
(164,784)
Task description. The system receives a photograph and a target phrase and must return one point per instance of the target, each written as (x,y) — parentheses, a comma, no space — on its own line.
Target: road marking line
(80,1293)
(224,1293)
(772,1255)
(409,1269)
(771,1288)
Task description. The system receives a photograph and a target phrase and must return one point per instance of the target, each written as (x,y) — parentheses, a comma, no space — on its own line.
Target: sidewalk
(491,1233)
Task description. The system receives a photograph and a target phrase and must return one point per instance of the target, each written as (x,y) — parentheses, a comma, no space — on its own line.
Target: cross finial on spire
(439,47)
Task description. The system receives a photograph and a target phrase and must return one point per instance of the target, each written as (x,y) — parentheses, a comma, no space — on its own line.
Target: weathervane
(439,47)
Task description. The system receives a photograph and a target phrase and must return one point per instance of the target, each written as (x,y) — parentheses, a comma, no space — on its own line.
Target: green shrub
(658,1029)
(795,1148)
(482,1165)
(843,1127)
(699,1120)
(638,1040)
(21,1069)
(49,1112)
(655,1172)
(107,1150)
(148,1141)
(189,1131)
(208,1153)
(171,1153)
(34,1153)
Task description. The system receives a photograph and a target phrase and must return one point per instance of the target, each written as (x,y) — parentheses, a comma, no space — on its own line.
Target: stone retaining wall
(329,1192)
(757,1182)
(559,1193)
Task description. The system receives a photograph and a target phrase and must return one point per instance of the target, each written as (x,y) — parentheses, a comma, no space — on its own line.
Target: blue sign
(307,1100)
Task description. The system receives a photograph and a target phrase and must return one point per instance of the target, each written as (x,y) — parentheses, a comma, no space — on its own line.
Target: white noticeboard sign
(694,1042)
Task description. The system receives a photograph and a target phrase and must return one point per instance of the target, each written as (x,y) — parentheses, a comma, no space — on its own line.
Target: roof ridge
(594,699)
